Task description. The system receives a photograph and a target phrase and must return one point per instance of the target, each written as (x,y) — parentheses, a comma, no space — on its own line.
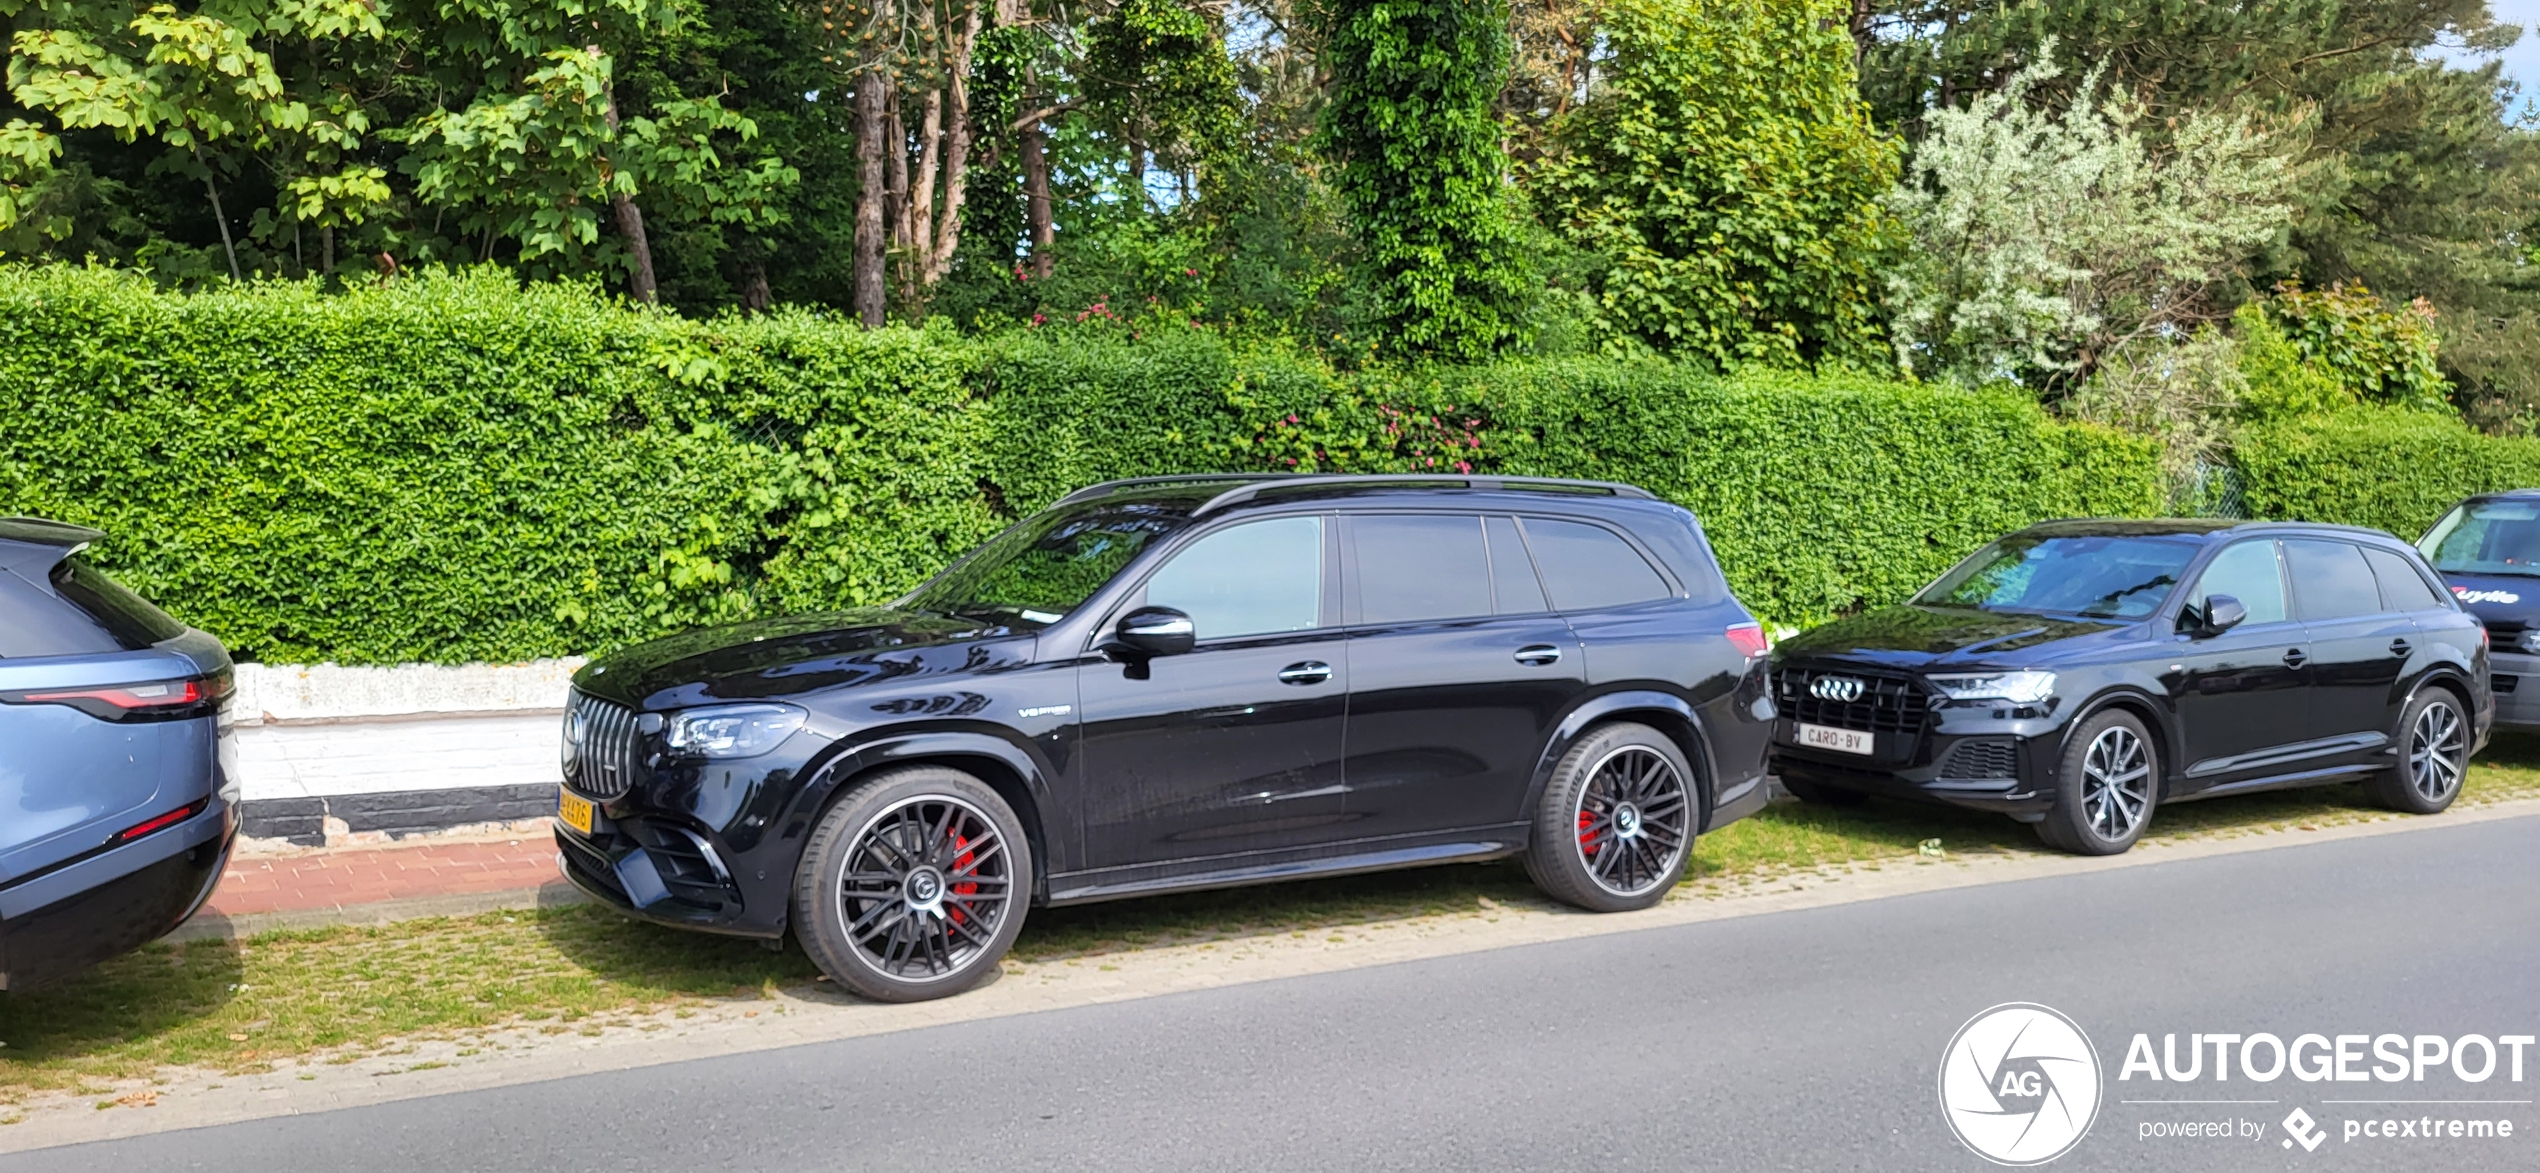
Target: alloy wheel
(2435,751)
(1633,817)
(2116,783)
(924,889)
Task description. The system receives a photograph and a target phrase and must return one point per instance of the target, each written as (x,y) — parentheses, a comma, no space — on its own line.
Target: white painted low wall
(320,730)
(332,692)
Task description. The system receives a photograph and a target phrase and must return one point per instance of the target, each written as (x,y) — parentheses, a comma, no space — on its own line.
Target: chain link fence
(2210,489)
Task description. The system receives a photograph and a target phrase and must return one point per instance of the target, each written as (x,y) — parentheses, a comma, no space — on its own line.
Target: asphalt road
(1803,1040)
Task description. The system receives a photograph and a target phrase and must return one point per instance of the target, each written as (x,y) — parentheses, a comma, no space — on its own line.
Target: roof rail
(1107,488)
(1247,492)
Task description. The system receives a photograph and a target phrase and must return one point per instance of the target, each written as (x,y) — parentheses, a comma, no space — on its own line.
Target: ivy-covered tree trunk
(872,300)
(1420,168)
(1036,197)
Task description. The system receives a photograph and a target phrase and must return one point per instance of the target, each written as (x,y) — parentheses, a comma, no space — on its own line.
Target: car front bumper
(663,871)
(1969,758)
(2514,678)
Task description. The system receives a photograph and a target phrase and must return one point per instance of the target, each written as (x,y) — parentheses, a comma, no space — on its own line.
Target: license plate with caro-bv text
(1838,740)
(576,812)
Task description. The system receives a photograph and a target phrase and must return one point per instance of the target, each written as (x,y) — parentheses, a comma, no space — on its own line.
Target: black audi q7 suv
(2488,551)
(2064,676)
(1181,683)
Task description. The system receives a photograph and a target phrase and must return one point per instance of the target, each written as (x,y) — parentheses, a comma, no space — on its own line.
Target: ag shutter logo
(2020,1084)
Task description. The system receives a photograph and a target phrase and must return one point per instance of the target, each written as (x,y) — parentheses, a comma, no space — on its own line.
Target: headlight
(733,731)
(2019,688)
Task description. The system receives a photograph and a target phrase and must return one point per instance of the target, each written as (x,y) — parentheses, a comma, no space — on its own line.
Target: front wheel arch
(2157,720)
(1013,774)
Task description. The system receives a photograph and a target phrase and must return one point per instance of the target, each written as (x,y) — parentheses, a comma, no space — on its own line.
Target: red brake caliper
(962,863)
(1586,820)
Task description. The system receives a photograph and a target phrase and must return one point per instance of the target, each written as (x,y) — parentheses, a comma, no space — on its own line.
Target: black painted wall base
(397,812)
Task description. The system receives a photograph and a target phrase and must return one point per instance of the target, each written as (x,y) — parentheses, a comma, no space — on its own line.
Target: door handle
(2401,647)
(2296,657)
(1306,672)
(1538,655)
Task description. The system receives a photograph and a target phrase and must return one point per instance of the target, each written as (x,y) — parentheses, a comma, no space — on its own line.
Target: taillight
(1749,638)
(157,700)
(163,822)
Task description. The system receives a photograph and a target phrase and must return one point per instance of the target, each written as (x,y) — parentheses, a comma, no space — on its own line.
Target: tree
(1408,125)
(2415,182)
(1728,181)
(2043,239)
(438,132)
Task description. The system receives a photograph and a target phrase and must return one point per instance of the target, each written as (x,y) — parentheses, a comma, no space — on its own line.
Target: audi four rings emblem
(1840,689)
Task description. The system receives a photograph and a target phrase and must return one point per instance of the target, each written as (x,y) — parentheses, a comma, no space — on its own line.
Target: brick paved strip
(370,875)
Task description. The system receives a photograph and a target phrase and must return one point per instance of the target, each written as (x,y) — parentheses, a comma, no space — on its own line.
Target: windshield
(2095,577)
(2486,537)
(1046,565)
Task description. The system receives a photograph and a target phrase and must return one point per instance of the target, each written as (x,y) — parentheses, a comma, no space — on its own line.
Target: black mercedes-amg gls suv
(1181,683)
(2064,676)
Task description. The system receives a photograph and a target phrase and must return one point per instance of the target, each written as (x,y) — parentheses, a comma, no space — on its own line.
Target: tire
(913,885)
(2105,788)
(2433,739)
(1616,822)
(1821,795)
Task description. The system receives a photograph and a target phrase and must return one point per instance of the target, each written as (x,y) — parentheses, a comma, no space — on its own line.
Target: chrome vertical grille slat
(610,753)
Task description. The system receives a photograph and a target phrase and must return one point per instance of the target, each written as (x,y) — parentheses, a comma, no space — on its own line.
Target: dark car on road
(2078,674)
(1178,683)
(2488,551)
(117,804)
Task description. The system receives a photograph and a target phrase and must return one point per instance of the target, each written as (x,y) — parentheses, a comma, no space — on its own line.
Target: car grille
(1987,758)
(611,751)
(1887,704)
(2502,683)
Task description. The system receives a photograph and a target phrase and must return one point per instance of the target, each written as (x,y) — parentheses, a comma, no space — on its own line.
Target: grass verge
(297,997)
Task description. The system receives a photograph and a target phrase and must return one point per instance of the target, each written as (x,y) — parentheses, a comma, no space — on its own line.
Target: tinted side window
(1587,567)
(2330,579)
(1256,578)
(2246,571)
(1512,573)
(34,622)
(2402,588)
(129,616)
(1430,566)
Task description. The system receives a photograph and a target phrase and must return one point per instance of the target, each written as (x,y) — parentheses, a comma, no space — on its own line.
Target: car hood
(2498,598)
(798,654)
(1915,635)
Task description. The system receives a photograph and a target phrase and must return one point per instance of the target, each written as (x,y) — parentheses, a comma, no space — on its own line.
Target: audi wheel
(2434,735)
(913,885)
(1616,822)
(2106,787)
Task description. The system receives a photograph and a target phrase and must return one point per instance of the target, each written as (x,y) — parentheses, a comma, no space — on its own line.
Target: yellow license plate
(576,812)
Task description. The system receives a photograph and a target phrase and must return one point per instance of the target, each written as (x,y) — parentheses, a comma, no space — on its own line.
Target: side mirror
(1156,631)
(2222,613)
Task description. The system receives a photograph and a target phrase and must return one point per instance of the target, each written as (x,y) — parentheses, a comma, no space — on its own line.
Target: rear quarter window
(2402,588)
(1588,567)
(1678,542)
(83,613)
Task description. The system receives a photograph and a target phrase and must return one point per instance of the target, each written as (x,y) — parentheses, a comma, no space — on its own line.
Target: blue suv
(117,792)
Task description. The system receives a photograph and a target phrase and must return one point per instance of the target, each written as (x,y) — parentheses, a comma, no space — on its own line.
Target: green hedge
(453,468)
(2389,468)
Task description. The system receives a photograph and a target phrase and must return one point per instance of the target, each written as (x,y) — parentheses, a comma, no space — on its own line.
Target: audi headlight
(2019,688)
(733,731)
